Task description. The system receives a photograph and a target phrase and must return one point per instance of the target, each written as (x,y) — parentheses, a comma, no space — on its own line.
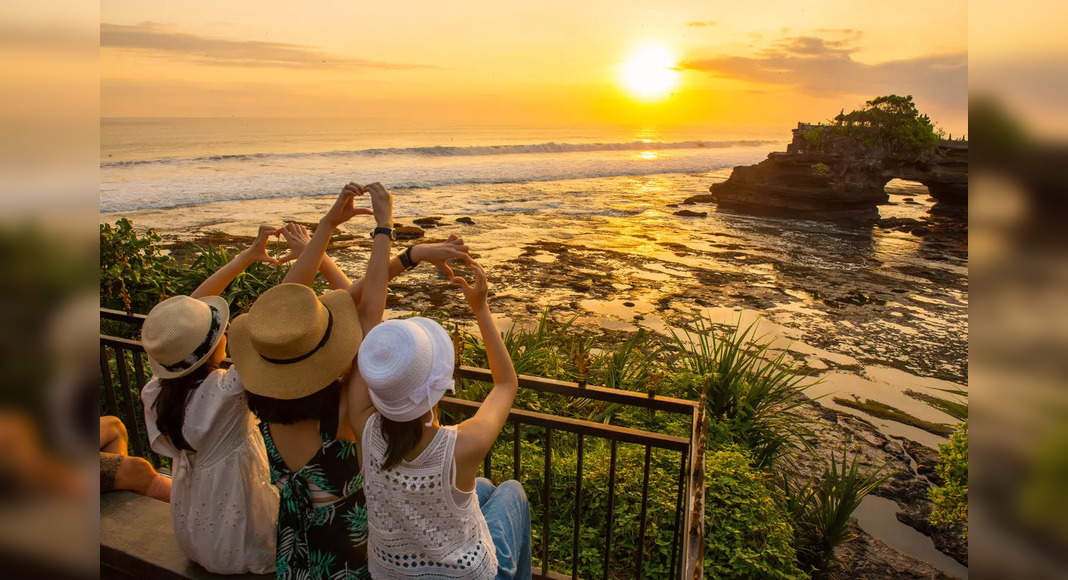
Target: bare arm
(303,271)
(371,300)
(436,254)
(297,237)
(477,434)
(215,284)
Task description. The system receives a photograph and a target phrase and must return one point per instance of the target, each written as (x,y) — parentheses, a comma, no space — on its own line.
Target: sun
(650,73)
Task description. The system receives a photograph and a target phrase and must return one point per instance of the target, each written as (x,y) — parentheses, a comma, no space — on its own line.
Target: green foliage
(134,273)
(891,124)
(747,533)
(821,169)
(821,510)
(750,399)
(814,138)
(951,500)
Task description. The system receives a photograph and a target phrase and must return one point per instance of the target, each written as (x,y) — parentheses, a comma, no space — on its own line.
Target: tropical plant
(951,499)
(747,533)
(892,124)
(821,510)
(750,398)
(134,273)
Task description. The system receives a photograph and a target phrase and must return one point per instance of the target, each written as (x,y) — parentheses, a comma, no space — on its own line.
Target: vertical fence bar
(578,512)
(139,375)
(678,510)
(611,506)
(545,501)
(515,450)
(131,409)
(645,505)
(109,389)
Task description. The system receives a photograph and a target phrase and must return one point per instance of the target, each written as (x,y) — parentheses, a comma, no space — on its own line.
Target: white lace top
(419,525)
(223,506)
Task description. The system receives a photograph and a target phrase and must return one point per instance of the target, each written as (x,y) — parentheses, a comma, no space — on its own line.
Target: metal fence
(123,365)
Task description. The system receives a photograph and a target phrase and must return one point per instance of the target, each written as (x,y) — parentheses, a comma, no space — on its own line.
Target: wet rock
(465,220)
(628,304)
(427,221)
(700,198)
(844,180)
(689,213)
(409,232)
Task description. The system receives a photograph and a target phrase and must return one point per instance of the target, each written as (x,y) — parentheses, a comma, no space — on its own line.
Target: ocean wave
(118,203)
(451,151)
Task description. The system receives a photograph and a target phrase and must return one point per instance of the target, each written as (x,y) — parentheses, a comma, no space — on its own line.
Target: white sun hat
(180,333)
(407,365)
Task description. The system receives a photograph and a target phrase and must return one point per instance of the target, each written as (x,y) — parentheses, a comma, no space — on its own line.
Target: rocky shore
(838,181)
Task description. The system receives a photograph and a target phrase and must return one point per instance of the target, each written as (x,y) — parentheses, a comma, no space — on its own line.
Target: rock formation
(841,180)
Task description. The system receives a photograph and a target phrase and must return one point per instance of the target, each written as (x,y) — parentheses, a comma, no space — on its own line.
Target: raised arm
(371,299)
(436,254)
(303,271)
(215,284)
(477,434)
(297,237)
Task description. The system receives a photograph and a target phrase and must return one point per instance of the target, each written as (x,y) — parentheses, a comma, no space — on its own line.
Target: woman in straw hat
(294,351)
(222,502)
(428,515)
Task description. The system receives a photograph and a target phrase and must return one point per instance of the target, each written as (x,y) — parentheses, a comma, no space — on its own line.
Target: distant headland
(838,170)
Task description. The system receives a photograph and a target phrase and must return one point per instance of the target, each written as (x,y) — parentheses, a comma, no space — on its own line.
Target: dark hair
(289,411)
(401,437)
(171,401)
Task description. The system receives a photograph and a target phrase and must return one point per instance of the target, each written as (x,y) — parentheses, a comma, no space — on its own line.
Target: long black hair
(288,411)
(172,400)
(401,437)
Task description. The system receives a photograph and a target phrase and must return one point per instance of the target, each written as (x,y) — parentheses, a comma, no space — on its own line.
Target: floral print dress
(322,521)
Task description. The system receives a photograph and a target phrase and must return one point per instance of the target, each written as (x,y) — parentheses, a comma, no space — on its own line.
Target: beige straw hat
(180,333)
(293,343)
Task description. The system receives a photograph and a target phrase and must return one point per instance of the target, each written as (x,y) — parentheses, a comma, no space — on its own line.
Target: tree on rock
(892,124)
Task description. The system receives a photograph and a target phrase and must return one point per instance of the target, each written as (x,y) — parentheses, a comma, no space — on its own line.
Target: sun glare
(649,74)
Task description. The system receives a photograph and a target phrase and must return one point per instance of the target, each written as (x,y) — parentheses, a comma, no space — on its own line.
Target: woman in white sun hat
(428,515)
(223,505)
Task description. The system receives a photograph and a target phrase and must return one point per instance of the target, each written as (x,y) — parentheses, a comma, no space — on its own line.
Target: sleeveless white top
(419,525)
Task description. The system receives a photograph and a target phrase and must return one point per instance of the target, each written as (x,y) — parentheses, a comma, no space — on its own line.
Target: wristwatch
(381,230)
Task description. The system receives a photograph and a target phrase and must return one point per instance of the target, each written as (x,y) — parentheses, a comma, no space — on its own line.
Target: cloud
(157,38)
(817,66)
(698,24)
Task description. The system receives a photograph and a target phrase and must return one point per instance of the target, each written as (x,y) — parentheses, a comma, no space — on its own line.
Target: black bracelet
(406,258)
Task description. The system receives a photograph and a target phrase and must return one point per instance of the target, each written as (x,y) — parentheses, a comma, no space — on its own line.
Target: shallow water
(876,515)
(874,312)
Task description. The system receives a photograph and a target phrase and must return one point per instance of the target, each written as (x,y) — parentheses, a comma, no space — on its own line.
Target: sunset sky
(552,63)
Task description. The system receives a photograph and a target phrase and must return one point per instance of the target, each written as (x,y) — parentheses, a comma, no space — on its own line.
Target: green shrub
(821,510)
(747,533)
(134,273)
(951,500)
(750,399)
(821,169)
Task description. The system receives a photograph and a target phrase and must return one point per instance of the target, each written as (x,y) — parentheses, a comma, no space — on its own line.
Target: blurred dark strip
(49,101)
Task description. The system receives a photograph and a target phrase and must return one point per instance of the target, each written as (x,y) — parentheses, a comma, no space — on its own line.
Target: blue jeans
(508,516)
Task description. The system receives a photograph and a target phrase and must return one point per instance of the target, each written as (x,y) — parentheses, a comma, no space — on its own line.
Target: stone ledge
(137,542)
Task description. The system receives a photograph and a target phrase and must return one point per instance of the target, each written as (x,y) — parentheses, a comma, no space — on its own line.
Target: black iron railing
(123,365)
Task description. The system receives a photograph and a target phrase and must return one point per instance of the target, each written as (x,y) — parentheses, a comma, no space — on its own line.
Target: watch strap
(406,258)
(382,230)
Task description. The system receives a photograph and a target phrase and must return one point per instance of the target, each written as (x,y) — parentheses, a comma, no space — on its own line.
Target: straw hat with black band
(292,343)
(181,333)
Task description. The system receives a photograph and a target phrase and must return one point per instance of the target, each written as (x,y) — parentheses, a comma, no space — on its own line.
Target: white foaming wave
(131,188)
(454,151)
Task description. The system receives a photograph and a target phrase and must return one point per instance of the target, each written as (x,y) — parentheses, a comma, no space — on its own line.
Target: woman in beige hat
(295,351)
(222,502)
(428,515)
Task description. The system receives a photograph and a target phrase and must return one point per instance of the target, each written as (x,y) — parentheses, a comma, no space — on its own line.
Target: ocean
(163,163)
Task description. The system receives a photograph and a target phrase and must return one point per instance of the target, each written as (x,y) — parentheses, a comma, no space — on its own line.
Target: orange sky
(552,63)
